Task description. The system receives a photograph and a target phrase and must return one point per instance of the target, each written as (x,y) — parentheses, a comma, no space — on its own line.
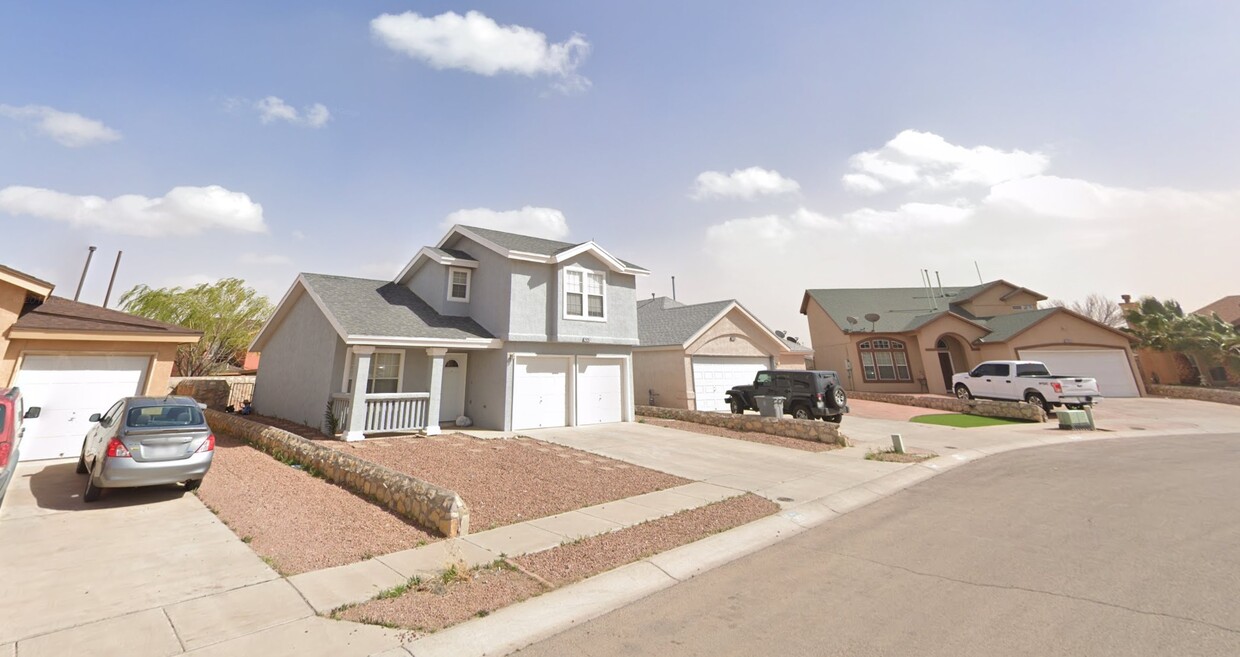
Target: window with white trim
(385,372)
(458,283)
(884,360)
(585,294)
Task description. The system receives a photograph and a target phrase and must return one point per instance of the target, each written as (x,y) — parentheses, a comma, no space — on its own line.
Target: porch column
(436,390)
(357,399)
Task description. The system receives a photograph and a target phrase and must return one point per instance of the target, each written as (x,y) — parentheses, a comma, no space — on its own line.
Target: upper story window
(884,360)
(585,294)
(458,284)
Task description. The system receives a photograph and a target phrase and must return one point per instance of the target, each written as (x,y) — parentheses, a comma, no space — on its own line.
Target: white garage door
(68,389)
(540,392)
(599,390)
(713,376)
(1109,366)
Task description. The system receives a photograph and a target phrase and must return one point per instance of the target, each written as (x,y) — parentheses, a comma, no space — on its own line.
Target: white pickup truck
(1026,380)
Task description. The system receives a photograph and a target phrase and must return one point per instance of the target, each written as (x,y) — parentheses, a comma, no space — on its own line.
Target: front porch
(406,390)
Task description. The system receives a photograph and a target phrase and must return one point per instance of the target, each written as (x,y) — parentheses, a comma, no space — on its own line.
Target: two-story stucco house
(511,331)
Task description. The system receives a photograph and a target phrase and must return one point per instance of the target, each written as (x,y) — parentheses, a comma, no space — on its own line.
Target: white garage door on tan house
(690,355)
(1109,366)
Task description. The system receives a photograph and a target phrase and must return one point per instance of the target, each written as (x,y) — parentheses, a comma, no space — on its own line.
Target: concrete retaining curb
(428,505)
(983,407)
(811,430)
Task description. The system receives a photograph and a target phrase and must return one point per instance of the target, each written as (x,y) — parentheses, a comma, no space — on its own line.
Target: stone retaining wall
(426,504)
(1192,392)
(812,430)
(984,407)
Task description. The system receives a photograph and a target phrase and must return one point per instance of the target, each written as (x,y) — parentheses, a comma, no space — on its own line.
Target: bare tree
(1097,307)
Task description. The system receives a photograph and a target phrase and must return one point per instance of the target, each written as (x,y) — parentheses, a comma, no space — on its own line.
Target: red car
(11,414)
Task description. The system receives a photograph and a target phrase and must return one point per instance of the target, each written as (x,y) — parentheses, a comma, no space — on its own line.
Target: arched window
(883,359)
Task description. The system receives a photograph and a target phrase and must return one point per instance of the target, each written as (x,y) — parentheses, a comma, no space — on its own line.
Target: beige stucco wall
(964,355)
(665,373)
(1066,331)
(990,303)
(160,369)
(792,360)
(11,300)
(734,335)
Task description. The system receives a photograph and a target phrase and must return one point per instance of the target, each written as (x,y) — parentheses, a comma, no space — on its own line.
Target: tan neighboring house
(72,359)
(912,340)
(1175,368)
(690,355)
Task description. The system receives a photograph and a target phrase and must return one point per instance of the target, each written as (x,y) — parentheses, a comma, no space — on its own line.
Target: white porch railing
(399,411)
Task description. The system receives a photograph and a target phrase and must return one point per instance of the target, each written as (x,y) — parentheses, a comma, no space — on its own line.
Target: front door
(452,395)
(945,363)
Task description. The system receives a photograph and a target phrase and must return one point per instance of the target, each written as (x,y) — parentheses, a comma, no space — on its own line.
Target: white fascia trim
(532,354)
(425,253)
(727,309)
(393,341)
(668,347)
(285,306)
(594,339)
(612,262)
(527,337)
(41,290)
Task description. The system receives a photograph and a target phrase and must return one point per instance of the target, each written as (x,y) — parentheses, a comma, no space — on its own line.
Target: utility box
(1073,419)
(770,405)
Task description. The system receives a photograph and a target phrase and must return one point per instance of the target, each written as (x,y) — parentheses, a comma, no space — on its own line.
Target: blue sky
(1071,149)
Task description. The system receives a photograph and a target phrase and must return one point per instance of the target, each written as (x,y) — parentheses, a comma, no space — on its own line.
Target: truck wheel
(836,398)
(1037,399)
(737,409)
(962,391)
(801,412)
(193,484)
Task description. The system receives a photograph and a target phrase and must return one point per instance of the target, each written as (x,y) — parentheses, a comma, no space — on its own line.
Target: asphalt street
(1112,548)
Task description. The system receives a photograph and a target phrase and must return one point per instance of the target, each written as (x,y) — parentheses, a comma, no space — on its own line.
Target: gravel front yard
(779,441)
(427,606)
(510,480)
(296,521)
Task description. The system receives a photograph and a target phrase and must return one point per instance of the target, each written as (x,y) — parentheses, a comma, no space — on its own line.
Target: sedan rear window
(164,416)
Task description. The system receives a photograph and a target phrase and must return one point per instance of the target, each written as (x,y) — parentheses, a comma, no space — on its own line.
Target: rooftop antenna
(925,273)
(108,294)
(940,280)
(872,318)
(90,254)
(673,288)
(979,273)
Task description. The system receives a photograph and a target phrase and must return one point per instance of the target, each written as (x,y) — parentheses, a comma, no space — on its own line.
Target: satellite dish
(872,317)
(851,320)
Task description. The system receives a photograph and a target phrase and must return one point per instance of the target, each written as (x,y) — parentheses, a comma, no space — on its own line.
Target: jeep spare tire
(836,397)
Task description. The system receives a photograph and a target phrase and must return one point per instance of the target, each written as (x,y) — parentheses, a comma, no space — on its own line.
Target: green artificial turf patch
(962,421)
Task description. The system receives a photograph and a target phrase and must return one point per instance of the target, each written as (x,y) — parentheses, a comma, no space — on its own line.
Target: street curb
(525,623)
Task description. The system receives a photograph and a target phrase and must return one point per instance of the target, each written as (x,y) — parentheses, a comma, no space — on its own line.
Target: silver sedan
(146,441)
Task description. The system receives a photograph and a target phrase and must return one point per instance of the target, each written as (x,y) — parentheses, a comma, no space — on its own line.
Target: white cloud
(926,161)
(66,128)
(768,232)
(476,43)
(265,259)
(182,211)
(910,215)
(548,223)
(743,183)
(1071,198)
(271,109)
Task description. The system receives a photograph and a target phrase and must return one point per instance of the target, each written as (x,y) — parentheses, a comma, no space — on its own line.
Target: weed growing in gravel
(457,572)
(247,539)
(272,564)
(572,541)
(896,457)
(399,589)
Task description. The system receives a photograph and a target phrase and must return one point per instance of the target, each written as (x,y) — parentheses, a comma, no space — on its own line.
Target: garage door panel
(713,376)
(1109,366)
(68,389)
(600,391)
(540,393)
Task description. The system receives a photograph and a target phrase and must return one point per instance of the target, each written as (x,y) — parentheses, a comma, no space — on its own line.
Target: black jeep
(807,394)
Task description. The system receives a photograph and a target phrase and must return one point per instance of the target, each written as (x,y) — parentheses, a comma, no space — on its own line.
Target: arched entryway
(952,358)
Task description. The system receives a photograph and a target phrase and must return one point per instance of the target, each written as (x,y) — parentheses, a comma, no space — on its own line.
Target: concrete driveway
(143,572)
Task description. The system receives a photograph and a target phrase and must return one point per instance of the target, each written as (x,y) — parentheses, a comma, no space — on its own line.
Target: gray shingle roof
(899,308)
(368,307)
(1004,327)
(528,244)
(658,326)
(453,253)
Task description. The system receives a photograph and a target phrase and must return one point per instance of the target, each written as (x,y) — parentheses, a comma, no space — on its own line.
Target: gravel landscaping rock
(753,437)
(893,457)
(510,480)
(433,605)
(296,521)
(589,556)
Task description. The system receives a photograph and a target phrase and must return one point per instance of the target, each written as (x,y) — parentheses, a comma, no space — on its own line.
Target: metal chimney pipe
(108,294)
(90,254)
(673,288)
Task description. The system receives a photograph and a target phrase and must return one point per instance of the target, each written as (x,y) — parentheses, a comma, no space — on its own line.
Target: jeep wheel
(962,391)
(737,409)
(801,412)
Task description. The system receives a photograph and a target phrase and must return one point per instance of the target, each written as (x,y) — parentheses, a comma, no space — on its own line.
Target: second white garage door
(540,392)
(713,376)
(1109,366)
(68,389)
(599,390)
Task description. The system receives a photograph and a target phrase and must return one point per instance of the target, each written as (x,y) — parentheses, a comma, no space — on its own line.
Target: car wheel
(1038,400)
(737,409)
(834,418)
(92,491)
(801,412)
(193,484)
(81,466)
(962,391)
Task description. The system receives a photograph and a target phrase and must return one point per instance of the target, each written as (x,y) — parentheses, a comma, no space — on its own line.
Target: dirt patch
(295,521)
(893,457)
(510,480)
(427,606)
(589,556)
(294,428)
(779,441)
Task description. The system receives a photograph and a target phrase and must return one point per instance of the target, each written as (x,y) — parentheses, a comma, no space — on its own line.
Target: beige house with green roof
(911,340)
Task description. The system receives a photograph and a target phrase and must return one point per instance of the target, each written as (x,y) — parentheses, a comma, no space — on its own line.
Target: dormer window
(458,284)
(585,294)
